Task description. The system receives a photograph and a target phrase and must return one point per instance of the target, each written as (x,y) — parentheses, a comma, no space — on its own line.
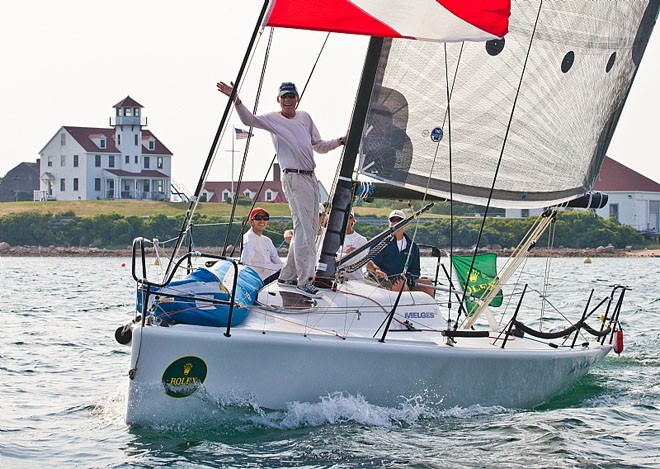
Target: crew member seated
(387,266)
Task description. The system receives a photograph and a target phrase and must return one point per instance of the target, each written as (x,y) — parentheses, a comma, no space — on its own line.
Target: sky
(68,62)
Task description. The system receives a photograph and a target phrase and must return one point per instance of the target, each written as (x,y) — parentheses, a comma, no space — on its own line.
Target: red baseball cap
(257,210)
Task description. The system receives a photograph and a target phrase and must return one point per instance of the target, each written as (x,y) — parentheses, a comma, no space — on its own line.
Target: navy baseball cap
(287,88)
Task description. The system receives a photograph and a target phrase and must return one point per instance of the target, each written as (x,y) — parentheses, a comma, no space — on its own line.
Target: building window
(136,112)
(127,159)
(614,211)
(159,162)
(524,213)
(75,161)
(152,144)
(146,185)
(136,159)
(102,143)
(118,139)
(97,184)
(146,162)
(75,184)
(62,160)
(97,161)
(50,161)
(136,139)
(654,215)
(269,196)
(111,161)
(127,112)
(62,185)
(62,139)
(160,187)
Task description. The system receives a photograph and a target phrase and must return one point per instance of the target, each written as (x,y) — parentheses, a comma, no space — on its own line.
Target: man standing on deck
(258,249)
(295,138)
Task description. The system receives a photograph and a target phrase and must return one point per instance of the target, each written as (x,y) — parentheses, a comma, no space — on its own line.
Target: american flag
(242,133)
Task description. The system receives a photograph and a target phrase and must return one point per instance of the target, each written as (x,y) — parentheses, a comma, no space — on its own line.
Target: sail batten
(543,103)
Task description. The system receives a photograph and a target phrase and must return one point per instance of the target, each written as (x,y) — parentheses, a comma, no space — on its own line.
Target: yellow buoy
(587,260)
(157,262)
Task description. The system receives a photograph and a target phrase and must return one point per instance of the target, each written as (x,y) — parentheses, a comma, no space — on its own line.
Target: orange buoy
(618,342)
(123,264)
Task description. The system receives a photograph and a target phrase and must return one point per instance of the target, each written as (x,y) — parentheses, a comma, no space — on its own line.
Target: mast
(341,201)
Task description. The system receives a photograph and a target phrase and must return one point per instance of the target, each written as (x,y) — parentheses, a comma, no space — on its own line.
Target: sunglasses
(395,219)
(288,96)
(261,217)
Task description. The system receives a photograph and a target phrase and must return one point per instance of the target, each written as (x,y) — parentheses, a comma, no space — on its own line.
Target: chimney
(277,175)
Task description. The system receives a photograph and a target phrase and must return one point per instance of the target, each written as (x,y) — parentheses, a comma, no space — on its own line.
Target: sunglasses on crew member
(395,219)
(261,217)
(288,95)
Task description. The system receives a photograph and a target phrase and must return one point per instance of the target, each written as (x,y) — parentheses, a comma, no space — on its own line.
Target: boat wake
(240,414)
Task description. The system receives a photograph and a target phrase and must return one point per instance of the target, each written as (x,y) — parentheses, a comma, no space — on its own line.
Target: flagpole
(232,165)
(232,151)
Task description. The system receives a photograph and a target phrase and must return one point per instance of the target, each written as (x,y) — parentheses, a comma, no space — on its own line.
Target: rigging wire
(245,64)
(504,142)
(551,242)
(451,178)
(247,147)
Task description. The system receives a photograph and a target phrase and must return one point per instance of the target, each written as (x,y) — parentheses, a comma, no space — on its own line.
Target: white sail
(546,99)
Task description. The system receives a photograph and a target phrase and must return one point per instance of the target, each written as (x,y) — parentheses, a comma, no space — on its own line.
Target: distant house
(222,191)
(633,199)
(20,182)
(124,161)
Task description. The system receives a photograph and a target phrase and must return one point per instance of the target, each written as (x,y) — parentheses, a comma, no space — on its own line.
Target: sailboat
(451,106)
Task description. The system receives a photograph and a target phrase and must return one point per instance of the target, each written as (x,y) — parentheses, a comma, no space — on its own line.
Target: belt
(298,171)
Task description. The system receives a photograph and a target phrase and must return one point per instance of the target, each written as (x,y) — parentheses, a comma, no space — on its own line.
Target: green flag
(482,278)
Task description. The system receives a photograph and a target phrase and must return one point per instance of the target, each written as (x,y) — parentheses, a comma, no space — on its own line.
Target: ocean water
(64,386)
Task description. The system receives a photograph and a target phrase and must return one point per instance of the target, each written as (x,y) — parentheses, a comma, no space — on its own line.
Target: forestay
(546,99)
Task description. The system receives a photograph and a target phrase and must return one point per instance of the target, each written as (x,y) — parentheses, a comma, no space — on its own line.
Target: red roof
(615,176)
(217,187)
(83,135)
(128,102)
(148,173)
(159,148)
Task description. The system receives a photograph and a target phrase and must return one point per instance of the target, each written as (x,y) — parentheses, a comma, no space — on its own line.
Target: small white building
(125,161)
(633,199)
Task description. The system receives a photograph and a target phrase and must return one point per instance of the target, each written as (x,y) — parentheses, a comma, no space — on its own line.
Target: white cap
(397,213)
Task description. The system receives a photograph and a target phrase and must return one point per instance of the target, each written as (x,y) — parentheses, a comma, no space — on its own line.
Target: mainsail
(536,109)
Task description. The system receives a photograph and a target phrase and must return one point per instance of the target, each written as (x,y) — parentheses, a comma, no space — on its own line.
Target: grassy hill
(88,208)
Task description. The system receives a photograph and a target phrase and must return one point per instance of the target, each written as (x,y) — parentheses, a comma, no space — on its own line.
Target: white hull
(277,358)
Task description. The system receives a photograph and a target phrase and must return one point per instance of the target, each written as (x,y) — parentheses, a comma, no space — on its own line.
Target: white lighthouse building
(125,161)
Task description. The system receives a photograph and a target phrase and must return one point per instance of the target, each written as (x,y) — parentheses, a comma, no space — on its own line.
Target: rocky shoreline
(58,251)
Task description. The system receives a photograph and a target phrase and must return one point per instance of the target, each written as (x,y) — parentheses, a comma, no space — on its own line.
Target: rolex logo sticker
(184,376)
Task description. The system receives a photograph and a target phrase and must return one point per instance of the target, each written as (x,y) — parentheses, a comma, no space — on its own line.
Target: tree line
(574,229)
